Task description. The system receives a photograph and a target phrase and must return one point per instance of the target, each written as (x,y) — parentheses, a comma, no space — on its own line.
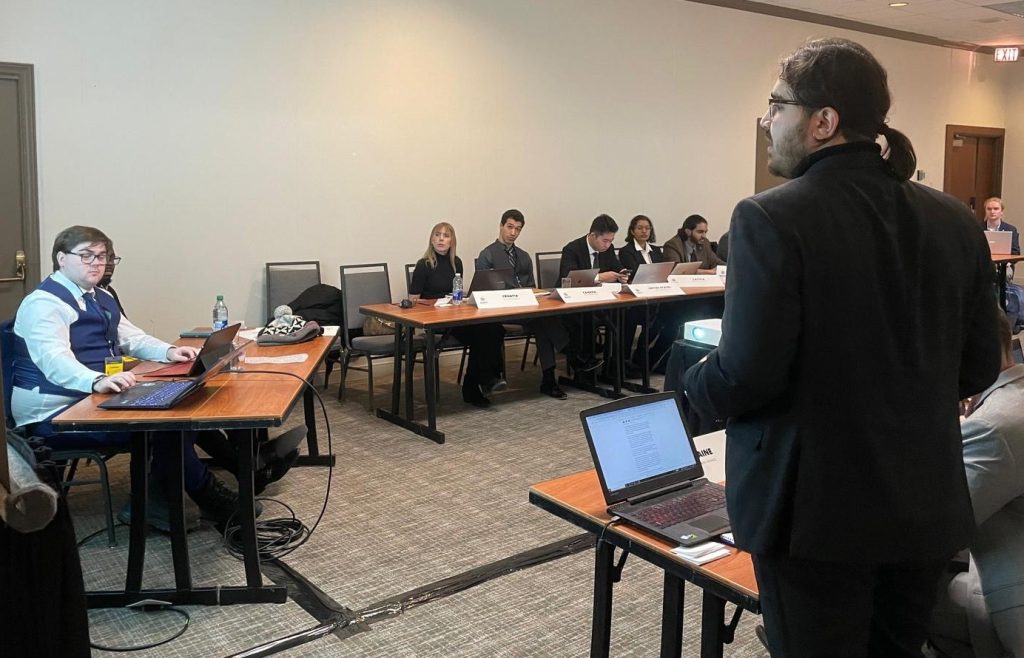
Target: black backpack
(322,303)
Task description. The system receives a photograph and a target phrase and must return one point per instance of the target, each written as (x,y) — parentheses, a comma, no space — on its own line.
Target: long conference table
(578,499)
(433,321)
(251,401)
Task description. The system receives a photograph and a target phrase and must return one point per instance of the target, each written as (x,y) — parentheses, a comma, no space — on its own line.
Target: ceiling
(964,23)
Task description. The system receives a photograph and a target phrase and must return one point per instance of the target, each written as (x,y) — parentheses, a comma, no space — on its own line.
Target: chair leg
(526,351)
(369,381)
(72,467)
(344,374)
(328,367)
(462,364)
(108,506)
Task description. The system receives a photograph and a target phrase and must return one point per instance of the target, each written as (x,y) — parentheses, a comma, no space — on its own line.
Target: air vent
(1011,8)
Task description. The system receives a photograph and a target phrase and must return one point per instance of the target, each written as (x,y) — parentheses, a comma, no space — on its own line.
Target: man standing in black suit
(592,251)
(858,311)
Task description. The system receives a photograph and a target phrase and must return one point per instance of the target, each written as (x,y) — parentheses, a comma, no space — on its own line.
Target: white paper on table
(702,553)
(331,330)
(290,358)
(249,334)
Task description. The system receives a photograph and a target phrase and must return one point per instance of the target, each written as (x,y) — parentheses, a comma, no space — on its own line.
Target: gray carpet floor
(405,512)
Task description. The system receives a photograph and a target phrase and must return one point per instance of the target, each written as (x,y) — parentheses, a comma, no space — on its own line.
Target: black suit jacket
(576,256)
(858,310)
(631,258)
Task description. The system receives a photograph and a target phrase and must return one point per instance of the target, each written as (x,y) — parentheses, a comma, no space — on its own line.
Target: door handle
(19,261)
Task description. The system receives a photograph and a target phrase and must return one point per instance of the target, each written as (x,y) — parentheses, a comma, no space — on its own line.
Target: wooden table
(432,320)
(578,499)
(1001,262)
(257,398)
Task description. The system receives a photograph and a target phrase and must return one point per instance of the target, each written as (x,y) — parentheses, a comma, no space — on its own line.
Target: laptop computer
(497,279)
(652,272)
(167,394)
(583,278)
(999,242)
(685,268)
(217,344)
(650,470)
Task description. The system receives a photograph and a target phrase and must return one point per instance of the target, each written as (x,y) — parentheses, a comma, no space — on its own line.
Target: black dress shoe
(495,385)
(552,389)
(472,395)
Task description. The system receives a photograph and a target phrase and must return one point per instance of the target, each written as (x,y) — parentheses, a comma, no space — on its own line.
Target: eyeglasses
(88,258)
(774,104)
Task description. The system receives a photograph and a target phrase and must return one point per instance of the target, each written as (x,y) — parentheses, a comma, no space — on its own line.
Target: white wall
(207,138)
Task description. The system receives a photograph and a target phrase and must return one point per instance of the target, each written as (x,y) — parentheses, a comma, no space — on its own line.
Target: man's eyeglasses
(774,104)
(88,258)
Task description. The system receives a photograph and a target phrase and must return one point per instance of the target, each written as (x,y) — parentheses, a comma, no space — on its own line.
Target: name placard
(577,295)
(697,280)
(667,289)
(488,299)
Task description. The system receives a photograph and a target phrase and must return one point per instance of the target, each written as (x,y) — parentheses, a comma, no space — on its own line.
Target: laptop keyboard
(707,498)
(161,395)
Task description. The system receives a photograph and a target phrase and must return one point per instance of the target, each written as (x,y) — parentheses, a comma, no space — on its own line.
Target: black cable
(276,538)
(611,521)
(152,608)
(84,540)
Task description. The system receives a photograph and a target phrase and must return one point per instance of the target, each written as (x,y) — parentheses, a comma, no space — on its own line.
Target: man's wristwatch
(97,381)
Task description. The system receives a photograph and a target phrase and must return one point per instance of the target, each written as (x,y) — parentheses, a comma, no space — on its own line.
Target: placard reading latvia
(577,295)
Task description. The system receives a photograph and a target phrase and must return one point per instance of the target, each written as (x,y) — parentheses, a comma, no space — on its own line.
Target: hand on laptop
(114,383)
(182,353)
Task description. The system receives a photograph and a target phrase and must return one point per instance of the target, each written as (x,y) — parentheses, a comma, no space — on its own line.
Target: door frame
(952,130)
(23,75)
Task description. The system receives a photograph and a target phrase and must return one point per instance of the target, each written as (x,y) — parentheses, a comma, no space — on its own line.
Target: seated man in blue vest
(65,330)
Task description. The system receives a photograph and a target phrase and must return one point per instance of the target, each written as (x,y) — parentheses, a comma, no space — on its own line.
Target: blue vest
(93,339)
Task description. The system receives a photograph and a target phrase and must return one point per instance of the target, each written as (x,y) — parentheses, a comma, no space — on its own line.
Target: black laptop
(218,351)
(650,470)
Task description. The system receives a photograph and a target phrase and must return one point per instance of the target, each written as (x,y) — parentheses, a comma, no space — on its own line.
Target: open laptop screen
(634,444)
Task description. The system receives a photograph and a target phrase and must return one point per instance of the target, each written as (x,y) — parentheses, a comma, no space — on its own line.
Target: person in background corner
(432,279)
(690,244)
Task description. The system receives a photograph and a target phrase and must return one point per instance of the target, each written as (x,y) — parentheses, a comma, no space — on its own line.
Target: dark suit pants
(551,339)
(832,609)
(484,342)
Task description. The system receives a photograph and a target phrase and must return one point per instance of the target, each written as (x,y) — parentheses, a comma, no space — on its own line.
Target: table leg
(1001,275)
(672,617)
(139,473)
(429,378)
(174,488)
(601,629)
(312,456)
(712,626)
(396,380)
(247,508)
(645,347)
(410,363)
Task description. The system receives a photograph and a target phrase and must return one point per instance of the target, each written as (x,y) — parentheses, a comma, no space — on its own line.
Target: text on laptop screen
(640,442)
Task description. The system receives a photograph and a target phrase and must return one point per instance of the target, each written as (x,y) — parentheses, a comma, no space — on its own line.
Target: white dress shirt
(44,322)
(645,251)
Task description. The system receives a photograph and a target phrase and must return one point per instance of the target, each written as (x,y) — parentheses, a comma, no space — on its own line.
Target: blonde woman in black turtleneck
(432,279)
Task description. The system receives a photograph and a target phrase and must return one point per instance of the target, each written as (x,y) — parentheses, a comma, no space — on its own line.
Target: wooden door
(974,165)
(19,217)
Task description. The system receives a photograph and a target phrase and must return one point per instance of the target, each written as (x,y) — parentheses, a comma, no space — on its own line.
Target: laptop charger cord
(278,537)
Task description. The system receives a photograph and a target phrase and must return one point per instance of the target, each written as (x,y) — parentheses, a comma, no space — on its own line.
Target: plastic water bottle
(457,290)
(220,314)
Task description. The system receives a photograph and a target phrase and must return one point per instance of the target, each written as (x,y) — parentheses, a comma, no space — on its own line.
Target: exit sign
(1007,54)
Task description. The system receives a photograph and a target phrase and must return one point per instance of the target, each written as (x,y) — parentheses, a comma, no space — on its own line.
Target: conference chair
(284,282)
(363,284)
(67,458)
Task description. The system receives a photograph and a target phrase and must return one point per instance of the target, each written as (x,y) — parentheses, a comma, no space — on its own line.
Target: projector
(704,332)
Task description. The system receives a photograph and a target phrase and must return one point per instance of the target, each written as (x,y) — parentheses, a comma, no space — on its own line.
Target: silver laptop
(650,470)
(583,278)
(685,268)
(999,242)
(653,273)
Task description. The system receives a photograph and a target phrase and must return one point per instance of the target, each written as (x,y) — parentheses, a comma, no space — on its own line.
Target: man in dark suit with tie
(840,368)
(592,251)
